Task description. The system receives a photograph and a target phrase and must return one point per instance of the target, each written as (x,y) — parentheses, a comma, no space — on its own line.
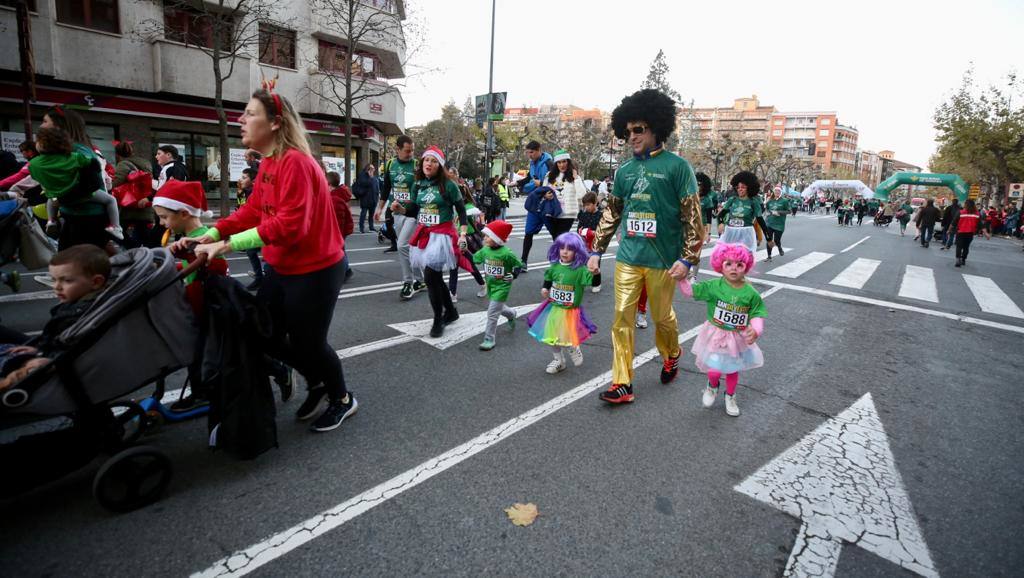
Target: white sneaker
(730,405)
(116,232)
(455,298)
(576,355)
(557,364)
(595,289)
(710,394)
(641,321)
(482,292)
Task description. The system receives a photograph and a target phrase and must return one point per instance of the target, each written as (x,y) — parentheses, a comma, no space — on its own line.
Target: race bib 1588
(727,317)
(562,296)
(737,223)
(645,224)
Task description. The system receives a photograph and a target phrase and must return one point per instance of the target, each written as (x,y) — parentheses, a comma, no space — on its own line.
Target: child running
(58,168)
(586,225)
(499,262)
(726,342)
(560,320)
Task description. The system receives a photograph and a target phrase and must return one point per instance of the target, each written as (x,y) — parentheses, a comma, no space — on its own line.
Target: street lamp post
(716,157)
(490,95)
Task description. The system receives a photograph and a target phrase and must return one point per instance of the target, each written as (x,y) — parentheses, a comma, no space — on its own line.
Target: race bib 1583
(562,296)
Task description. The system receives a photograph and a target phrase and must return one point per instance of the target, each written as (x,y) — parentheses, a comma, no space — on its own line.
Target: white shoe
(482,292)
(730,405)
(576,355)
(595,289)
(557,364)
(641,321)
(710,394)
(455,297)
(115,232)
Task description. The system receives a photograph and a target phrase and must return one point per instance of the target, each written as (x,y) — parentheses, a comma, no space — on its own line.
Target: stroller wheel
(133,478)
(131,419)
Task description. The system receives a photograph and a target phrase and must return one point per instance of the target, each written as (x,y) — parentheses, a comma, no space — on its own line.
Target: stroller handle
(196,265)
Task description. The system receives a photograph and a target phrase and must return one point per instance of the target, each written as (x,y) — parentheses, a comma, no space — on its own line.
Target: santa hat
(498,231)
(183,196)
(435,152)
(562,155)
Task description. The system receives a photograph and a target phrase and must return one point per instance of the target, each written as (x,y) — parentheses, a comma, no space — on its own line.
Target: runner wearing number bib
(654,205)
(740,219)
(399,179)
(726,342)
(777,208)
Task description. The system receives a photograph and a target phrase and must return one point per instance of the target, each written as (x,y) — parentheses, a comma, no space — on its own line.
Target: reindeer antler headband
(268,85)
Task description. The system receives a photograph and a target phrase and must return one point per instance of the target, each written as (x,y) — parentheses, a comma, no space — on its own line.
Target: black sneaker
(188,403)
(316,402)
(437,329)
(285,384)
(450,317)
(618,393)
(348,274)
(255,285)
(418,286)
(781,252)
(670,368)
(391,249)
(406,293)
(335,413)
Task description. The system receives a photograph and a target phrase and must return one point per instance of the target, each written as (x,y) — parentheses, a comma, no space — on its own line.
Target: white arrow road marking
(466,326)
(798,267)
(857,274)
(841,482)
(991,298)
(919,283)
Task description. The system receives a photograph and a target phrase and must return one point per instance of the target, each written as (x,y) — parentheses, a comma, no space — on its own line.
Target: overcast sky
(884,66)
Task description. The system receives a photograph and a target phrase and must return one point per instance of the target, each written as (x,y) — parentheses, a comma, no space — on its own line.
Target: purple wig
(731,252)
(572,241)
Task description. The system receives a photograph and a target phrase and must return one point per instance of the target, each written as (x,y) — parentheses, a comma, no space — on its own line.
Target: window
(96,14)
(195,28)
(821,154)
(277,46)
(826,121)
(823,132)
(823,144)
(14,4)
(334,56)
(778,121)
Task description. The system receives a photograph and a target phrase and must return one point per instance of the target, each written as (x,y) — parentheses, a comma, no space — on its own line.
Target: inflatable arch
(857,186)
(952,182)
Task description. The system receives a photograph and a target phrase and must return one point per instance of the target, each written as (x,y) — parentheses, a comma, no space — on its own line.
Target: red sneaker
(618,393)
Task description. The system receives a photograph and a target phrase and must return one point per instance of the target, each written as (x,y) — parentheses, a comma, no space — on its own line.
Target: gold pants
(629,281)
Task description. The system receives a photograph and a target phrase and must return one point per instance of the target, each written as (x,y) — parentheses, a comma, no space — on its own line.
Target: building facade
(158,88)
(745,121)
(889,166)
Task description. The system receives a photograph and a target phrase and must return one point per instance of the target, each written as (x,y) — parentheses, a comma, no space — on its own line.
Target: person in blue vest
(541,164)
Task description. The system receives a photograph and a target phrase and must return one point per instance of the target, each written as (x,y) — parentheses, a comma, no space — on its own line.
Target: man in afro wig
(650,107)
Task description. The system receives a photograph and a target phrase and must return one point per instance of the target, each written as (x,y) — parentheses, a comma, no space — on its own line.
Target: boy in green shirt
(499,261)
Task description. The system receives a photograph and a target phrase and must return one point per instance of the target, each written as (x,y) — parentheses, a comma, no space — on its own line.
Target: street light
(716,157)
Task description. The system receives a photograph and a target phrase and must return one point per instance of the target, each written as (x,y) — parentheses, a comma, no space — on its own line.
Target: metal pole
(490,96)
(28,83)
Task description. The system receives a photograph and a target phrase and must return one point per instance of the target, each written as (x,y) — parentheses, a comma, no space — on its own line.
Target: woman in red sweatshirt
(289,216)
(966,225)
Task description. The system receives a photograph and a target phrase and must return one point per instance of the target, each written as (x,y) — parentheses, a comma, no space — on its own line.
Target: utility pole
(28,81)
(490,96)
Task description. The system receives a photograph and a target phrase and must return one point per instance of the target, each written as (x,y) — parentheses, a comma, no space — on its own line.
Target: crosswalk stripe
(857,274)
(799,266)
(991,298)
(919,283)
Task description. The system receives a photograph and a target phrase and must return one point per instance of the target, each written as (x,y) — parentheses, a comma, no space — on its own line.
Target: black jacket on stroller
(235,369)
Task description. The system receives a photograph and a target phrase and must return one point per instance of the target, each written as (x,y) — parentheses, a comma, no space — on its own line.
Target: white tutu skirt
(724,351)
(745,236)
(438,254)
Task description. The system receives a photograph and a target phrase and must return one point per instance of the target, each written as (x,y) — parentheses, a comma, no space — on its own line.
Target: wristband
(596,254)
(688,264)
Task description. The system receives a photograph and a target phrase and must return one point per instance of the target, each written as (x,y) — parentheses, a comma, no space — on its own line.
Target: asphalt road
(928,362)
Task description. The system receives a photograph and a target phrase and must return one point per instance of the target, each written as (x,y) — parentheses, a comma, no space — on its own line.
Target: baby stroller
(882,220)
(64,414)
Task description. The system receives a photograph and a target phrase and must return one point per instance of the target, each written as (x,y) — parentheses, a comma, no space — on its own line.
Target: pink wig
(732,252)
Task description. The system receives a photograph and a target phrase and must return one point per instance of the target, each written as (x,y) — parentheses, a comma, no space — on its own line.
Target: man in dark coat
(926,219)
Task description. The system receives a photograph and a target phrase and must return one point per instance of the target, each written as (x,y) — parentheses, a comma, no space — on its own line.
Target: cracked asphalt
(645,489)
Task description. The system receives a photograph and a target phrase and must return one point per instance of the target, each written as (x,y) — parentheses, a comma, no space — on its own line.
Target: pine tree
(657,78)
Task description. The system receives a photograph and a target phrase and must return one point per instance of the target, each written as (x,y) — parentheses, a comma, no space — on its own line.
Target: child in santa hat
(498,264)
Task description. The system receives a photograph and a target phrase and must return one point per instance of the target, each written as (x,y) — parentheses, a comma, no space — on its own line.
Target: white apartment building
(157,88)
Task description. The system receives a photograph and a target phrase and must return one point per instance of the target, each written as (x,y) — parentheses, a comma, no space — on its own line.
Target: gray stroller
(58,419)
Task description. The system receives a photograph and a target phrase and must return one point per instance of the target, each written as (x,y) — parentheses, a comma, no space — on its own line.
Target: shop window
(277,46)
(195,28)
(99,15)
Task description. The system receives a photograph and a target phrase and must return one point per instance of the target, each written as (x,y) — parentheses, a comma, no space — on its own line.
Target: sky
(883,66)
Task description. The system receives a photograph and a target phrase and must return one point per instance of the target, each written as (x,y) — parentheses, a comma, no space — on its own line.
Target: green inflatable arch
(953,182)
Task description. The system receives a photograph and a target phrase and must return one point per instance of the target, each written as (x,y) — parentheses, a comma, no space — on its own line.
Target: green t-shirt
(907,211)
(192,235)
(436,207)
(738,209)
(402,177)
(651,190)
(729,308)
(58,174)
(498,263)
(707,204)
(567,284)
(782,206)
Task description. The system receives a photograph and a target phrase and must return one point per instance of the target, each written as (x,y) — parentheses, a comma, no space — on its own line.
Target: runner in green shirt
(777,208)
(740,214)
(399,177)
(499,262)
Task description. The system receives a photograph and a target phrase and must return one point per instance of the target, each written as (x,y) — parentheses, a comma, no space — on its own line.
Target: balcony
(181,69)
(387,112)
(388,45)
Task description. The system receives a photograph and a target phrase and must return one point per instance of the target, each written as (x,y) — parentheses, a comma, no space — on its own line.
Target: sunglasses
(636,130)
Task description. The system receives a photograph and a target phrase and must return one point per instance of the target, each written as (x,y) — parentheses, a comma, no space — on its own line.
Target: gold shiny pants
(629,282)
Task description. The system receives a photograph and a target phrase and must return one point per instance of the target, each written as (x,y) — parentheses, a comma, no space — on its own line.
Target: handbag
(35,249)
(136,187)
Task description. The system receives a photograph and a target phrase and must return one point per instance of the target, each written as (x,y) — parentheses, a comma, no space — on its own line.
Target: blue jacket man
(541,164)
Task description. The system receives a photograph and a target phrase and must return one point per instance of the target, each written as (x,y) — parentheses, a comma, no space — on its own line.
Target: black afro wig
(747,178)
(649,106)
(703,183)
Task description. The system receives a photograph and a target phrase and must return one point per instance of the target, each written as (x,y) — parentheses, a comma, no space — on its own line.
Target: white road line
(919,283)
(855,244)
(245,561)
(31,296)
(991,298)
(374,346)
(857,274)
(798,267)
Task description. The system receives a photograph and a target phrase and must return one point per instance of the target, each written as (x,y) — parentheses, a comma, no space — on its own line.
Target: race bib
(644,224)
(494,270)
(737,223)
(733,318)
(562,296)
(402,196)
(429,216)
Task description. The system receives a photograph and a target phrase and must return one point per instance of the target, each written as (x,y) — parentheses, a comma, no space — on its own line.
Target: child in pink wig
(726,342)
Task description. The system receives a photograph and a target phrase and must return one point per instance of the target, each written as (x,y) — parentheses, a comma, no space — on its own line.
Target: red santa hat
(498,231)
(183,196)
(433,151)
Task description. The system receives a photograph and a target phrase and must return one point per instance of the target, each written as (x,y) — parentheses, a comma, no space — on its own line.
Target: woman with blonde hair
(290,217)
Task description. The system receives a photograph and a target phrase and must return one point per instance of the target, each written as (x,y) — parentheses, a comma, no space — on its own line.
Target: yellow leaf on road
(522,514)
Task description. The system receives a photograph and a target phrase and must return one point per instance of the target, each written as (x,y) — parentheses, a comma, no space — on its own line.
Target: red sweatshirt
(968,223)
(290,206)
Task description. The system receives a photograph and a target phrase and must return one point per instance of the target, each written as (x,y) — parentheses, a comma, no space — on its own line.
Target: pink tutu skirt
(556,325)
(724,351)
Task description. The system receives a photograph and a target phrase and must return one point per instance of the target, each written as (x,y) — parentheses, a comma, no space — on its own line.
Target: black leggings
(773,236)
(437,292)
(301,309)
(963,245)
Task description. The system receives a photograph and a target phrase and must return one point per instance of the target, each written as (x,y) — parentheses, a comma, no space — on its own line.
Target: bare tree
(224,30)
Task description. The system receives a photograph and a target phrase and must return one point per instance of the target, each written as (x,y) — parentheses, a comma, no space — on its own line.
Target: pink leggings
(731,379)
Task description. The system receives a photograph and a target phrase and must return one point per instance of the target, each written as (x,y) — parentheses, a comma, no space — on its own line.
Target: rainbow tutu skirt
(556,325)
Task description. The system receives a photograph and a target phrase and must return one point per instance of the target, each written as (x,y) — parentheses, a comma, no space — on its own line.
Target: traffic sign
(1015,190)
(974,192)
